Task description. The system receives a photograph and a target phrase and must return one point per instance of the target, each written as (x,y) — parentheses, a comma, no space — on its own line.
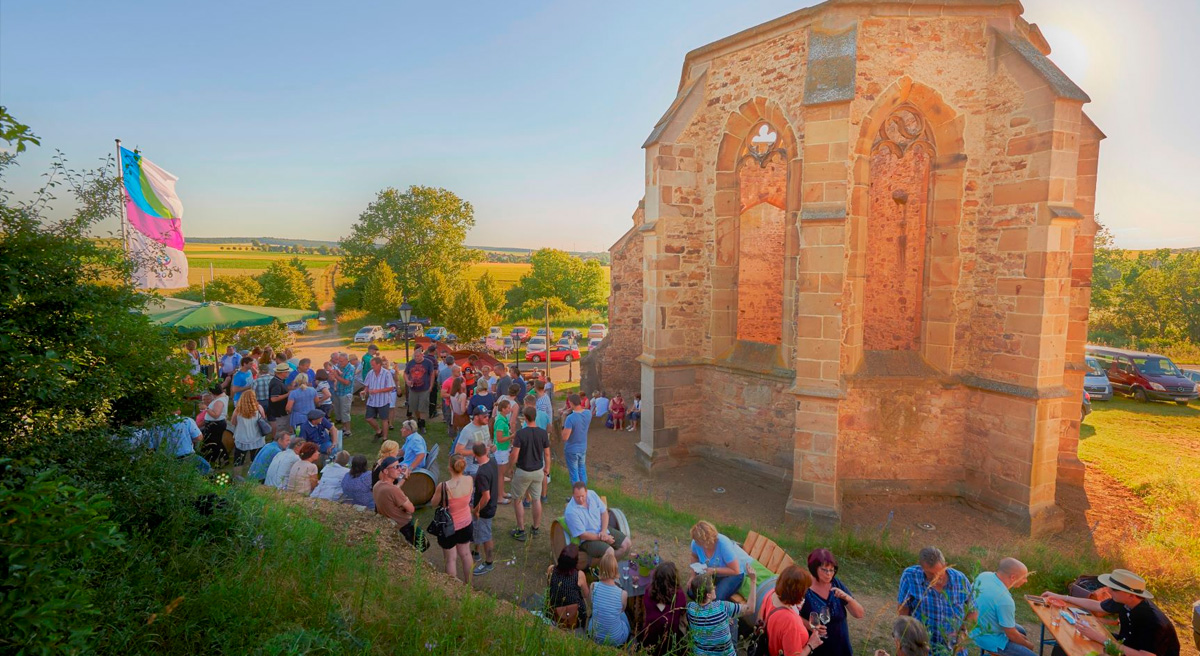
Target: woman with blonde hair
(247,438)
(912,639)
(717,555)
(389,448)
(608,625)
(456,494)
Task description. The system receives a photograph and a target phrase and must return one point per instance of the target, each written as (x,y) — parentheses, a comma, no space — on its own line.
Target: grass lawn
(1153,449)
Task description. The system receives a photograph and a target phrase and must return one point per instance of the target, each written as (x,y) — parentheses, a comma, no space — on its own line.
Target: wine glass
(825,616)
(814,620)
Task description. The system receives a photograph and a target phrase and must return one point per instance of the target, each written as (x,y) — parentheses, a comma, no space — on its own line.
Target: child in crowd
(324,393)
(635,415)
(618,412)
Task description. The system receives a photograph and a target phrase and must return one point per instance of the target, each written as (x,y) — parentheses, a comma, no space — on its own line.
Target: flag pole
(121,190)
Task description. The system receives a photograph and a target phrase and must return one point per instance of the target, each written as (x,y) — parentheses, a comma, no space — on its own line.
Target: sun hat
(316,414)
(480,410)
(1126,581)
(282,369)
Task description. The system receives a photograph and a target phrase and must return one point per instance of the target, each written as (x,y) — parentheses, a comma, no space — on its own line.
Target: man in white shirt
(379,392)
(281,466)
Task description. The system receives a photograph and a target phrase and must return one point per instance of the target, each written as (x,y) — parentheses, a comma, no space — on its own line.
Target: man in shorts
(531,458)
(588,521)
(483,505)
(378,392)
(418,376)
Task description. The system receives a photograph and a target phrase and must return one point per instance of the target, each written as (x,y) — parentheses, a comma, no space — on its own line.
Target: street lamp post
(405,315)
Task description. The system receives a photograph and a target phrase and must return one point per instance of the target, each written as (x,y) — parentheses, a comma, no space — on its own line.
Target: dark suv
(1144,376)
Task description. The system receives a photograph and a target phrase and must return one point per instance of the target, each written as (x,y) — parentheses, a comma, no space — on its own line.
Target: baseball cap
(480,410)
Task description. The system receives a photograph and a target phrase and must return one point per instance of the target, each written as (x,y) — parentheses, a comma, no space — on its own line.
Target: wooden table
(1065,634)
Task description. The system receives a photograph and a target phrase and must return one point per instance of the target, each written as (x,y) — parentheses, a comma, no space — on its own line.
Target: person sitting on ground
(786,631)
(608,624)
(618,412)
(996,630)
(567,589)
(180,439)
(600,405)
(828,593)
(635,413)
(389,449)
(281,466)
(588,521)
(390,500)
(475,432)
(1145,630)
(302,477)
(247,438)
(937,595)
(356,484)
(332,476)
(719,557)
(709,619)
(531,465)
(457,492)
(911,638)
(262,461)
(414,447)
(503,434)
(320,431)
(665,606)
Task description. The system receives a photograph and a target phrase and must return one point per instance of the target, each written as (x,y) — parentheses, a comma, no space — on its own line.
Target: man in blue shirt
(344,374)
(262,461)
(514,372)
(939,596)
(303,368)
(996,630)
(179,439)
(318,429)
(230,361)
(244,378)
(414,447)
(588,521)
(574,434)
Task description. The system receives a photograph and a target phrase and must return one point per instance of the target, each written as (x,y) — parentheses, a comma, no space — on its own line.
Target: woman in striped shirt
(608,625)
(710,620)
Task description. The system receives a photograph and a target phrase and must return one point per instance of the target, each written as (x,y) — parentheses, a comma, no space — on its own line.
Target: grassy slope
(1153,449)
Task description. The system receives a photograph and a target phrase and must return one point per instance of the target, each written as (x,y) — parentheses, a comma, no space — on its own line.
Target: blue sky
(284,119)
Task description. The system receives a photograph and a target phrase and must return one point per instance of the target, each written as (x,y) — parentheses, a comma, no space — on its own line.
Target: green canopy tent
(213,316)
(156,304)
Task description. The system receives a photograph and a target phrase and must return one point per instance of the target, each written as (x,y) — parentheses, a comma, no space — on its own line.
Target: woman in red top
(618,412)
(787,633)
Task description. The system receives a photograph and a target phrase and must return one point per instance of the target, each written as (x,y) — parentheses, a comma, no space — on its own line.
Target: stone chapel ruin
(862,265)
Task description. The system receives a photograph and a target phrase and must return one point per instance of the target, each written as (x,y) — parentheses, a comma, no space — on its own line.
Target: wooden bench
(764,551)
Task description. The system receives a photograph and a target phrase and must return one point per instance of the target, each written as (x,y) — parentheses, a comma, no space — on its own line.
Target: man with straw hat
(1145,630)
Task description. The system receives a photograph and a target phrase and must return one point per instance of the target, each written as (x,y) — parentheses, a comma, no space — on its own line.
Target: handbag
(567,617)
(264,426)
(442,524)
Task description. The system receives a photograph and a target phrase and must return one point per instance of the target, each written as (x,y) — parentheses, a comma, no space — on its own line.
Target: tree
(254,243)
(469,317)
(416,231)
(380,296)
(303,267)
(493,298)
(323,249)
(285,285)
(435,297)
(556,274)
(242,290)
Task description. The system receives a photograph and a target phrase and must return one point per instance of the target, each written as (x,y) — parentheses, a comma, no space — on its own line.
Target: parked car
(436,333)
(297,326)
(507,344)
(1095,381)
(451,338)
(424,321)
(598,330)
(413,331)
(495,331)
(1144,376)
(521,334)
(574,334)
(1192,375)
(568,342)
(1087,406)
(535,344)
(594,342)
(557,354)
(368,334)
(549,335)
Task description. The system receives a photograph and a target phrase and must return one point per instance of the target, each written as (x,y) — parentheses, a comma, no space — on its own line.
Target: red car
(557,354)
(521,334)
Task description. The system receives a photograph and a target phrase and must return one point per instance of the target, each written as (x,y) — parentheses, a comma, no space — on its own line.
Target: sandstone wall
(613,366)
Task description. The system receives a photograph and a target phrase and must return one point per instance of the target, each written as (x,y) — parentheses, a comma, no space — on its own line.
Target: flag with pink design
(154,238)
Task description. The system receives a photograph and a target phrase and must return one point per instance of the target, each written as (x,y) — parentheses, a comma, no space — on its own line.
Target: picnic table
(1063,632)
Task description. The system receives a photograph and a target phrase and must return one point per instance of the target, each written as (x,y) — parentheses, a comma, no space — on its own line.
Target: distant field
(232,260)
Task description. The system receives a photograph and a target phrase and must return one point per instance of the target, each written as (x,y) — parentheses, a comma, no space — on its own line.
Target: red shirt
(786,632)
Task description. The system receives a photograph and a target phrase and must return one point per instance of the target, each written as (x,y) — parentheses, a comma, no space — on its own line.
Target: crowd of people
(501,455)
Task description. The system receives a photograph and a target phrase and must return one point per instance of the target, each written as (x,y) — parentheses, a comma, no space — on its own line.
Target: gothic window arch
(762,202)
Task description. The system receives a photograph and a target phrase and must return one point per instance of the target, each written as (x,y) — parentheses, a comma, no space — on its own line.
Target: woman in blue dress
(828,594)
